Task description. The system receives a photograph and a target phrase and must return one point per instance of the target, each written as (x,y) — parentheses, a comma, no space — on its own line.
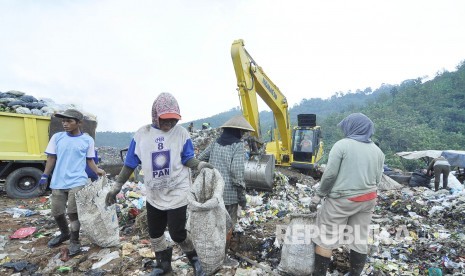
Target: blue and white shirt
(71,153)
(162,156)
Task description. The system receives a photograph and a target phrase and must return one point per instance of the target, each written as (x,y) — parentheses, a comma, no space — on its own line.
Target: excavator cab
(307,146)
(303,145)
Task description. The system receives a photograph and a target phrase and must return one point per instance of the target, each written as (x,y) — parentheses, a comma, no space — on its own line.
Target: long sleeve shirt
(230,161)
(354,168)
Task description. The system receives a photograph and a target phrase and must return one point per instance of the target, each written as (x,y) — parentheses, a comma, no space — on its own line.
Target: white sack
(98,222)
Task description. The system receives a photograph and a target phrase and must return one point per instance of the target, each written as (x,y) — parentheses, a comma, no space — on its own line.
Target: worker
(68,153)
(348,184)
(190,128)
(439,166)
(166,154)
(227,155)
(90,173)
(206,126)
(306,144)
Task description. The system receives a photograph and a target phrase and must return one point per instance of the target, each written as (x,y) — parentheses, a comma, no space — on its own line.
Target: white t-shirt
(162,156)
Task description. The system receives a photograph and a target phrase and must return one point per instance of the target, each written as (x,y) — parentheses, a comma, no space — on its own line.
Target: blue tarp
(455,158)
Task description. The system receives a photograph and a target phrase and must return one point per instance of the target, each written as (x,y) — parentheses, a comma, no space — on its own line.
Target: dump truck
(23,139)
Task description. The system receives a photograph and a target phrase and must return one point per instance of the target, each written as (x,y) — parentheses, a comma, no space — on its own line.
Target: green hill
(413,115)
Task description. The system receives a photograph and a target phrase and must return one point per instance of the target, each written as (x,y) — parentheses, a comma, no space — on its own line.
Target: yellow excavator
(299,147)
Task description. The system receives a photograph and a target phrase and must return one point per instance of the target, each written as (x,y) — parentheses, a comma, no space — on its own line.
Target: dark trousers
(438,170)
(175,219)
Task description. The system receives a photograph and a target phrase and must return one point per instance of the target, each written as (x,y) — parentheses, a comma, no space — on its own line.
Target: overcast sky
(112,58)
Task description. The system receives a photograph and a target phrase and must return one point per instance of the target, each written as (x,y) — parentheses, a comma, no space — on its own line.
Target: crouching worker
(166,154)
(68,153)
(439,166)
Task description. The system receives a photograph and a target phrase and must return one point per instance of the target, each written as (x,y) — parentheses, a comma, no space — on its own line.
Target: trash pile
(110,160)
(415,231)
(19,102)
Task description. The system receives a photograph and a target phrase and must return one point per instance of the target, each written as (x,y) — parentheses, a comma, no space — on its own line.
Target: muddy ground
(31,255)
(35,251)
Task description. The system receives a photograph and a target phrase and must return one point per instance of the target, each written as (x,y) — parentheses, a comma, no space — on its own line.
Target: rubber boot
(163,266)
(74,244)
(357,262)
(64,235)
(321,265)
(436,186)
(195,262)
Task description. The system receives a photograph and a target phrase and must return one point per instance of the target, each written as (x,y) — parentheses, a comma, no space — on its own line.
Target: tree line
(413,115)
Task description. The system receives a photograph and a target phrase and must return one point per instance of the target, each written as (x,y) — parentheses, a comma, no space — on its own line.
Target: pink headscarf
(165,104)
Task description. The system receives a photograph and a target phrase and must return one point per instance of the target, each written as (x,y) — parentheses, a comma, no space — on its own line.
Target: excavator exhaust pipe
(259,174)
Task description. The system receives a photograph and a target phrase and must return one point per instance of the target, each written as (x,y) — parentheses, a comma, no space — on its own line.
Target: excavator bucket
(259,174)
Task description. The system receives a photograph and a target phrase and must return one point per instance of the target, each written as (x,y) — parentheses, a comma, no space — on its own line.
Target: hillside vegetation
(413,115)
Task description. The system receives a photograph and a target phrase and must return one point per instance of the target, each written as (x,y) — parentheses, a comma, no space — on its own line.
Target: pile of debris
(19,102)
(414,230)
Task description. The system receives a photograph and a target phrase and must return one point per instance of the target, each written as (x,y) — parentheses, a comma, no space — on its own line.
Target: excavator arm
(287,147)
(252,81)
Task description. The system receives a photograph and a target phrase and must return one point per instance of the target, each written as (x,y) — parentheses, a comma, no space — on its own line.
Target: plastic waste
(254,200)
(64,269)
(19,212)
(2,243)
(23,232)
(106,259)
(22,265)
(17,266)
(95,272)
(434,271)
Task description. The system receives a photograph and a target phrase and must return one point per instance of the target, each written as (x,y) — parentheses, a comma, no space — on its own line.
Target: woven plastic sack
(298,252)
(388,183)
(98,222)
(207,219)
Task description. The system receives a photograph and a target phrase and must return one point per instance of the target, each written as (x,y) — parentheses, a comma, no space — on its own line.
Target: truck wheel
(24,183)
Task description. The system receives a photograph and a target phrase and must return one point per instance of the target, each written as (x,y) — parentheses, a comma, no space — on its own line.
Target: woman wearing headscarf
(166,153)
(348,186)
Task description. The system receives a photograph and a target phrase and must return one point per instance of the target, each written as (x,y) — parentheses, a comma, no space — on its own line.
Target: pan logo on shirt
(161,164)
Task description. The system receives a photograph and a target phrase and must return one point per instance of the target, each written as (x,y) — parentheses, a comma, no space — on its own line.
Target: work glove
(314,203)
(241,199)
(203,165)
(111,196)
(239,211)
(43,179)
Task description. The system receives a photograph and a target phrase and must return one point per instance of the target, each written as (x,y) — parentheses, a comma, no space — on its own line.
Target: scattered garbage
(414,231)
(106,259)
(23,233)
(21,265)
(19,212)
